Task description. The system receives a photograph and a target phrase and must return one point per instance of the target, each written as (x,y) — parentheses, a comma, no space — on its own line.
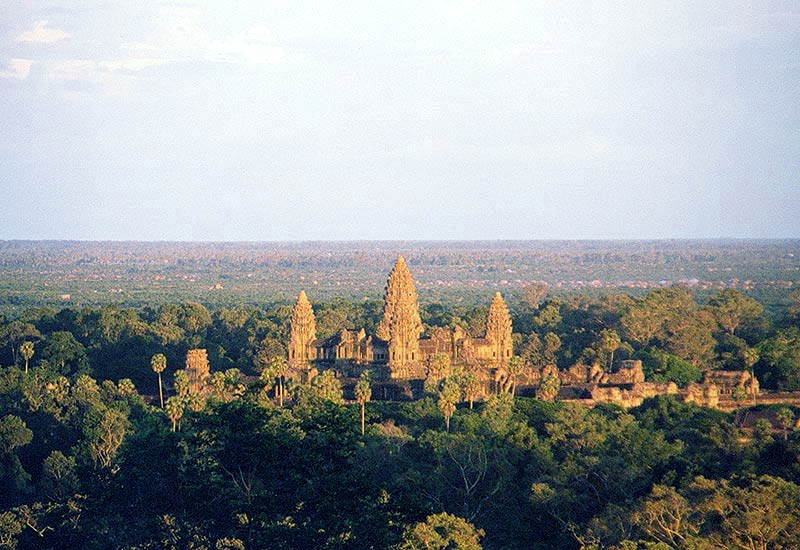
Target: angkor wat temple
(400,353)
(399,350)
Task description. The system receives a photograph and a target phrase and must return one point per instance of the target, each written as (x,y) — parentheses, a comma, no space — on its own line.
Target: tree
(363,391)
(471,385)
(181,382)
(227,385)
(758,513)
(195,402)
(785,418)
(548,389)
(194,317)
(26,351)
(739,394)
(730,308)
(13,433)
(552,343)
(14,333)
(449,394)
(793,310)
(59,477)
(762,431)
(549,317)
(62,350)
(515,369)
(690,337)
(327,386)
(85,390)
(749,357)
(665,367)
(104,430)
(274,368)
(534,351)
(158,363)
(666,517)
(779,363)
(534,293)
(126,387)
(497,412)
(442,532)
(174,409)
(643,321)
(438,366)
(608,343)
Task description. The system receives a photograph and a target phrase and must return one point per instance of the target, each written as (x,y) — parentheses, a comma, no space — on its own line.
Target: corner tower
(498,330)
(401,325)
(302,331)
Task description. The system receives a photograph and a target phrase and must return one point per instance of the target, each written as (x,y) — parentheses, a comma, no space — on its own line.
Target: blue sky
(302,120)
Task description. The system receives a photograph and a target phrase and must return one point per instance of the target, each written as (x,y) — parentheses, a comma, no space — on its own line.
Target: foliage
(363,393)
(442,532)
(661,366)
(779,364)
(741,513)
(88,462)
(448,394)
(327,387)
(548,389)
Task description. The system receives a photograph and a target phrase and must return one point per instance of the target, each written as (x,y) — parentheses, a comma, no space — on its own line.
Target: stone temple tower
(498,330)
(401,325)
(302,332)
(197,370)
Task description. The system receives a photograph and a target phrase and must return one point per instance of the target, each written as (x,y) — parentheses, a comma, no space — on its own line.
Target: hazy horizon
(333,240)
(182,121)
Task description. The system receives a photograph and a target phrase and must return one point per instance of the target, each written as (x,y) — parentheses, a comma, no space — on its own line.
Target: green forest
(90,458)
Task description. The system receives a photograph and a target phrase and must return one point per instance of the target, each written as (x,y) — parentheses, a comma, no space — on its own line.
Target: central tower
(302,332)
(498,331)
(401,325)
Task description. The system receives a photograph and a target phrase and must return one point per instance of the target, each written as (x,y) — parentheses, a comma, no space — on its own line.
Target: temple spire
(302,331)
(401,325)
(498,329)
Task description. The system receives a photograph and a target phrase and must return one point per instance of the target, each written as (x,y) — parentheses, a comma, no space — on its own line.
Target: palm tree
(786,420)
(158,362)
(174,410)
(471,386)
(515,369)
(609,342)
(181,382)
(363,392)
(276,368)
(449,395)
(26,350)
(548,389)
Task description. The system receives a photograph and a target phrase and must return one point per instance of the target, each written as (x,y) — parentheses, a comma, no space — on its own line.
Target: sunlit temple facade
(399,343)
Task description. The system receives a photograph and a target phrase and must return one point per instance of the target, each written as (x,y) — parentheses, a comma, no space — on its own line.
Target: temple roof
(351,333)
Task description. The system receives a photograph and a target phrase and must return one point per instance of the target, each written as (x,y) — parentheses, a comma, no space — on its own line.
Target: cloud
(131,63)
(18,69)
(42,34)
(71,69)
(184,33)
(241,49)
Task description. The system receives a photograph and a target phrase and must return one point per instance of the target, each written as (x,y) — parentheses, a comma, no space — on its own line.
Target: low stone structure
(629,372)
(729,381)
(625,395)
(704,394)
